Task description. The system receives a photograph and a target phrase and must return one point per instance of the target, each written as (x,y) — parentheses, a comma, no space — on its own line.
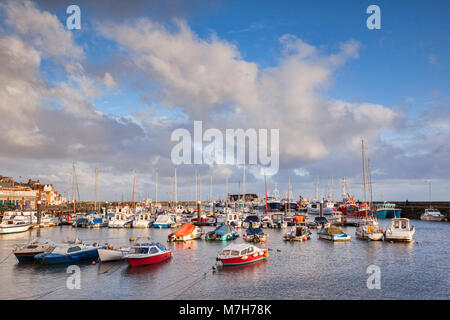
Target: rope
(7,257)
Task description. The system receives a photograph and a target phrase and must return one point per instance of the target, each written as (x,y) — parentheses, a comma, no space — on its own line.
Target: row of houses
(26,195)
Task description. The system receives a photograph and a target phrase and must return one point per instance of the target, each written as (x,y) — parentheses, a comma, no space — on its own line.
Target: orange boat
(185,233)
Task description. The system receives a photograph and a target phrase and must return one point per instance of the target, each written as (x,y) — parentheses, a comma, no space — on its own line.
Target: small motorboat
(27,252)
(121,220)
(13,226)
(369,230)
(239,254)
(251,221)
(185,233)
(298,233)
(266,222)
(233,219)
(255,235)
(278,221)
(222,233)
(147,253)
(165,221)
(319,223)
(143,220)
(333,234)
(433,215)
(69,252)
(400,230)
(108,253)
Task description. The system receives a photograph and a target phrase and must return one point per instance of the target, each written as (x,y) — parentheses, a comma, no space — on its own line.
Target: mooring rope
(7,257)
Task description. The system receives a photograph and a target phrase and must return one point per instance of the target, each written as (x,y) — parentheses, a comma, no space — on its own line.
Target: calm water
(316,269)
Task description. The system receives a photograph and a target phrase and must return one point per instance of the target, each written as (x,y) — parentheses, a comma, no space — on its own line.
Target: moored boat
(298,233)
(333,234)
(147,253)
(400,230)
(433,215)
(185,233)
(243,253)
(255,235)
(165,221)
(13,226)
(369,229)
(222,233)
(108,253)
(387,211)
(27,252)
(68,253)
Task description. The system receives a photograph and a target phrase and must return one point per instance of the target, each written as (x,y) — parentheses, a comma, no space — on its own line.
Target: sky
(110,94)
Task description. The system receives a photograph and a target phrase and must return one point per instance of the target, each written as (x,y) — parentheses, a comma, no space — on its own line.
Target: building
(27,195)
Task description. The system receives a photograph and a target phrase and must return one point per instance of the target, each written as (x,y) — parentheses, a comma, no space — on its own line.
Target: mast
(132,195)
(429,190)
(210,190)
(364,172)
(74,196)
(226,183)
(156,187)
(265,186)
(288,194)
(95,190)
(243,186)
(370,183)
(317,190)
(175,187)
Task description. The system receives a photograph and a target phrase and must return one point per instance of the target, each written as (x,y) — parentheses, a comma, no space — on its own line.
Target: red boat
(143,254)
(243,253)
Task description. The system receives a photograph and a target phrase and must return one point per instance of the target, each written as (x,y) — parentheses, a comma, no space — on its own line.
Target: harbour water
(316,269)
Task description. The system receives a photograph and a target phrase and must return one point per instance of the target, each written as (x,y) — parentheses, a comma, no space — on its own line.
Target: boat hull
(389,214)
(238,261)
(334,237)
(91,254)
(9,230)
(107,255)
(433,218)
(137,262)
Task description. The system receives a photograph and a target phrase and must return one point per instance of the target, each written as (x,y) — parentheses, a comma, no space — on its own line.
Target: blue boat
(69,253)
(222,233)
(388,211)
(165,221)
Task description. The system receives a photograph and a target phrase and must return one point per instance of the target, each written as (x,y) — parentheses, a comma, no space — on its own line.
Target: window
(250,250)
(73,249)
(244,252)
(396,224)
(403,224)
(153,250)
(234,253)
(226,252)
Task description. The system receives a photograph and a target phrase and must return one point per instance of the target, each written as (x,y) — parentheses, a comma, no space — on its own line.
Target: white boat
(142,220)
(278,220)
(433,215)
(234,219)
(165,221)
(110,254)
(298,233)
(266,222)
(333,234)
(121,220)
(313,208)
(369,229)
(13,226)
(400,230)
(26,253)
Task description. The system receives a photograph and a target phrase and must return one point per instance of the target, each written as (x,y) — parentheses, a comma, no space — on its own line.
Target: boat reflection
(143,270)
(256,269)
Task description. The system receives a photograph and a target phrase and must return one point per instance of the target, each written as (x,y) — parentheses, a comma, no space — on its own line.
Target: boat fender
(131,239)
(266,254)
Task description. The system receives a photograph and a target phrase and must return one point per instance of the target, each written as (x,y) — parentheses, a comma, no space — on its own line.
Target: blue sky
(122,100)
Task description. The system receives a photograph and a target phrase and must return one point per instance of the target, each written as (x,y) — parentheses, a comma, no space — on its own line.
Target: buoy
(93,263)
(214,267)
(131,239)
(392,241)
(110,246)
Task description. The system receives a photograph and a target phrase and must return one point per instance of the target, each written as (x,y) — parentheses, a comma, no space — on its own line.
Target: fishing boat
(185,233)
(266,222)
(233,219)
(13,226)
(68,253)
(369,230)
(278,220)
(108,253)
(147,253)
(333,234)
(239,254)
(319,223)
(433,215)
(388,211)
(298,233)
(251,221)
(400,230)
(142,220)
(121,220)
(27,252)
(222,233)
(255,235)
(313,208)
(66,219)
(164,221)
